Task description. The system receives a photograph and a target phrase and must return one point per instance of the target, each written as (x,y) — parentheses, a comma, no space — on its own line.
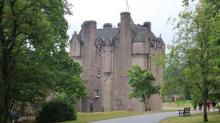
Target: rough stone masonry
(106,54)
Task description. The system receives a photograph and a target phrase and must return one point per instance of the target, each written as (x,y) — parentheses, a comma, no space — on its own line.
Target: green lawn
(213,118)
(174,106)
(95,116)
(88,117)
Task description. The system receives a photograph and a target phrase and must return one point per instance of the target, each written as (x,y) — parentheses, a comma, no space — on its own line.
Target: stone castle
(106,55)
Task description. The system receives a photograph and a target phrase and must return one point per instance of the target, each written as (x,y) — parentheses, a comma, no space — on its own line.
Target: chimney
(107,26)
(89,24)
(147,25)
(125,19)
(89,32)
(89,28)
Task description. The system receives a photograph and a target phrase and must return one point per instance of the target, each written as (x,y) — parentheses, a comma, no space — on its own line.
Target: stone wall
(105,66)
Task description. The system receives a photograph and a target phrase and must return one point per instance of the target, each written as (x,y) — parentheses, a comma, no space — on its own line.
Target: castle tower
(75,48)
(106,54)
(122,61)
(90,68)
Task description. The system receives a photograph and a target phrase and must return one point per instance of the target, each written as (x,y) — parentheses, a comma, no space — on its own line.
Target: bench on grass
(185,112)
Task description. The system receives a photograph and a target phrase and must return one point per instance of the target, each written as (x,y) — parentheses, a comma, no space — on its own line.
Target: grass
(174,106)
(95,116)
(212,117)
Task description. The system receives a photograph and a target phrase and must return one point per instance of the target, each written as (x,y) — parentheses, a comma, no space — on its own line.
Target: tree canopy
(33,60)
(197,49)
(141,81)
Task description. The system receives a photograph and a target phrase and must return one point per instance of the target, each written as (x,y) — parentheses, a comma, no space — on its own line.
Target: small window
(96,93)
(98,75)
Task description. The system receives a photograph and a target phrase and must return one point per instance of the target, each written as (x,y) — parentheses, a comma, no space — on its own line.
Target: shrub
(56,111)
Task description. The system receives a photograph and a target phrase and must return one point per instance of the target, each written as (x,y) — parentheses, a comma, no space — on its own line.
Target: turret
(107,26)
(75,46)
(125,20)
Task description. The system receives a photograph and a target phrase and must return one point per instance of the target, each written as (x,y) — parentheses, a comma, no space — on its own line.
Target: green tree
(175,76)
(33,60)
(141,81)
(197,41)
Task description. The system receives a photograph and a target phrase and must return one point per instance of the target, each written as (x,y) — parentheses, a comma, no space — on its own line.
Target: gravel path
(146,118)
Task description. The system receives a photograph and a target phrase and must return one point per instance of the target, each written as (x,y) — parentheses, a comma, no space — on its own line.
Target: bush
(56,111)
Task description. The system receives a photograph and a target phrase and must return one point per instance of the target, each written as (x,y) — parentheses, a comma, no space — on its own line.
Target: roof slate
(140,33)
(107,34)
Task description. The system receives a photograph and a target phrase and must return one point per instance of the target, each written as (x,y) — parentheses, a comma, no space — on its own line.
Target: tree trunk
(205,100)
(2,104)
(205,114)
(7,62)
(5,78)
(145,104)
(2,80)
(205,95)
(205,92)
(4,85)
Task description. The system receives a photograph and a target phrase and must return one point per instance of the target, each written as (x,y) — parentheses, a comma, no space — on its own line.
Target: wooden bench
(185,112)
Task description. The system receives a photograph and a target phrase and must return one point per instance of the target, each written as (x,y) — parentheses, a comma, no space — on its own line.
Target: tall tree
(197,41)
(141,81)
(32,52)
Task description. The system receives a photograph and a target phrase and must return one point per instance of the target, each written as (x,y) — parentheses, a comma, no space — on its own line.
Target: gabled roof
(107,34)
(137,28)
(141,32)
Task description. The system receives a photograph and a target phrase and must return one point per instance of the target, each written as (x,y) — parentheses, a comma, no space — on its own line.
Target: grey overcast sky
(108,11)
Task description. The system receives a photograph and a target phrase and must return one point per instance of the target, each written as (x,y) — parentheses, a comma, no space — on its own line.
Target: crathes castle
(106,54)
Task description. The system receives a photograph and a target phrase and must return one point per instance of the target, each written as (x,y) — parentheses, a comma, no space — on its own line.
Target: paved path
(146,118)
